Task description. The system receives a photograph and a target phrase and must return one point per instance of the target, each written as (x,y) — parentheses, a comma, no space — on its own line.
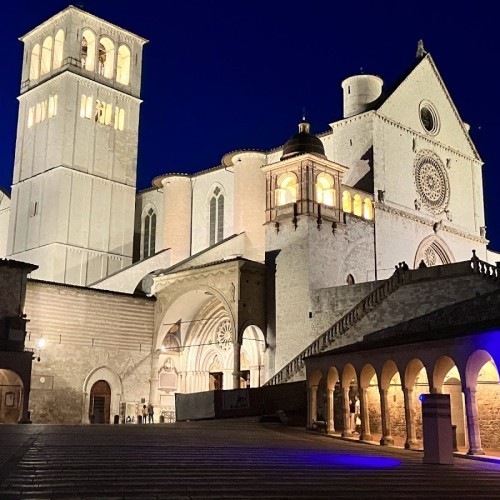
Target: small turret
(360,93)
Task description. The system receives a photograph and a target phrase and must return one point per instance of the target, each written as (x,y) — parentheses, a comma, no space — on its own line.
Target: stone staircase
(424,281)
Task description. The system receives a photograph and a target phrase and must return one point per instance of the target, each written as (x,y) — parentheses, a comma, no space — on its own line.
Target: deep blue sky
(225,75)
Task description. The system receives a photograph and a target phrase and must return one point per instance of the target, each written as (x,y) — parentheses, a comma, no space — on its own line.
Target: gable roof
(406,75)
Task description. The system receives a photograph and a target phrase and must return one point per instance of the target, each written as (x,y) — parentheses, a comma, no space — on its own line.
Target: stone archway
(11,397)
(106,374)
(434,251)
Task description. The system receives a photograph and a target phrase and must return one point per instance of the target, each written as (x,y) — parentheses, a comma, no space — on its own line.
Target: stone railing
(372,300)
(483,268)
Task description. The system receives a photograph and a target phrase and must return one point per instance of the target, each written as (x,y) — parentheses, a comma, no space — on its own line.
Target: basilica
(228,277)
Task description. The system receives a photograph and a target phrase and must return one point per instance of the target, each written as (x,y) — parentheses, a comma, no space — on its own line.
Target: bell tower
(73,192)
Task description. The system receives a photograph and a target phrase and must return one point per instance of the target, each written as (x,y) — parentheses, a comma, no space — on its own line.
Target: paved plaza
(221,459)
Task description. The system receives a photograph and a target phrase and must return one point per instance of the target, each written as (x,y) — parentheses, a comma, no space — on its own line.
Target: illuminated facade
(244,264)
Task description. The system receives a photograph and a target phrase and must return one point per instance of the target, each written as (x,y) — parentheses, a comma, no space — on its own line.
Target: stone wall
(88,333)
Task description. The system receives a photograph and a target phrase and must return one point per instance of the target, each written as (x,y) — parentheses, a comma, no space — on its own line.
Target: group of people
(148,414)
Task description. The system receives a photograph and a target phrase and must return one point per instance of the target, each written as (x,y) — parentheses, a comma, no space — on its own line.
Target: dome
(303,142)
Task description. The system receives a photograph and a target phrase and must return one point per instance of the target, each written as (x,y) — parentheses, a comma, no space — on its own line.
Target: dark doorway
(216,381)
(245,379)
(100,402)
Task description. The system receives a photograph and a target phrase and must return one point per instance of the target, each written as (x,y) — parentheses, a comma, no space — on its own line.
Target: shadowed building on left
(15,360)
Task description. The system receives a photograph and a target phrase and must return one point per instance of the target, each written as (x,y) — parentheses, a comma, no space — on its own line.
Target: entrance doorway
(100,402)
(215,381)
(11,397)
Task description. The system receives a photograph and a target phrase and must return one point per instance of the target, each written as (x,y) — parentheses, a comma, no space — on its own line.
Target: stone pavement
(221,459)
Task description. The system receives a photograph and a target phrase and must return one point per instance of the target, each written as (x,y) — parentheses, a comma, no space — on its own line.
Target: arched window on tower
(287,190)
(123,65)
(58,49)
(35,62)
(216,216)
(325,193)
(358,205)
(149,243)
(368,209)
(87,57)
(106,57)
(346,202)
(46,56)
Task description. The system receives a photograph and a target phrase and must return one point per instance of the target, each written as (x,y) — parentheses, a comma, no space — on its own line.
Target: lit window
(358,205)
(106,57)
(43,106)
(100,111)
(58,49)
(52,106)
(46,55)
(119,118)
(287,190)
(123,65)
(149,234)
(35,62)
(216,215)
(38,112)
(108,113)
(368,209)
(31,117)
(346,202)
(325,193)
(87,57)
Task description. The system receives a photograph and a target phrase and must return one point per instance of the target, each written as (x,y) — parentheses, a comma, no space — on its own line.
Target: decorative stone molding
(429,223)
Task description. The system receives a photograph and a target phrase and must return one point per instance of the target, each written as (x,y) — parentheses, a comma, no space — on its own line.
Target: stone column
(411,434)
(313,405)
(330,423)
(153,381)
(386,419)
(236,365)
(365,415)
(475,447)
(346,432)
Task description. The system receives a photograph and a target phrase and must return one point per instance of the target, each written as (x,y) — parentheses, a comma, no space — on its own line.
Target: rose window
(431,181)
(225,335)
(430,257)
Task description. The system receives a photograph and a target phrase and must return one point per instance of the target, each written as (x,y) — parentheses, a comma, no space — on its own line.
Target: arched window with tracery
(58,49)
(368,209)
(216,216)
(87,56)
(46,56)
(287,190)
(106,57)
(358,205)
(346,202)
(123,65)
(149,242)
(35,62)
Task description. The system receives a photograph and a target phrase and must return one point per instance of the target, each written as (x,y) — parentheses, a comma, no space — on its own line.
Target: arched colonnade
(390,381)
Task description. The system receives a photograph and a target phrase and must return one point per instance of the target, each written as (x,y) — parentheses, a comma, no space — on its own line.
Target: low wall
(290,398)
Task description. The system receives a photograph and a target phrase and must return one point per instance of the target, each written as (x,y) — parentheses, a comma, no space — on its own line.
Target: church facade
(219,279)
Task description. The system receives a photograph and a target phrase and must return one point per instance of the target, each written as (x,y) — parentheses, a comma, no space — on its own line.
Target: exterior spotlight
(40,343)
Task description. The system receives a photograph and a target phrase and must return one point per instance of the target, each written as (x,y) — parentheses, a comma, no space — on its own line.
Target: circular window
(431,181)
(429,117)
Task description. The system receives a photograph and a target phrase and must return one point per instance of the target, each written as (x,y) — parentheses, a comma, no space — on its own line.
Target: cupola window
(287,190)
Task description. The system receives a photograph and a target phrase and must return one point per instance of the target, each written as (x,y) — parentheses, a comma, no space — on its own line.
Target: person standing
(144,414)
(150,413)
(352,414)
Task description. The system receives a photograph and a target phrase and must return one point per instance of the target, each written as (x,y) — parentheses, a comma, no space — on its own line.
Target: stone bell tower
(74,179)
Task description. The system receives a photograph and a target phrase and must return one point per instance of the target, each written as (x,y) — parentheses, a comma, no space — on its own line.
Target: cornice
(382,207)
(428,139)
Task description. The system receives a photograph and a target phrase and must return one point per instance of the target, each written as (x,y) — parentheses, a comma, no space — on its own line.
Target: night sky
(226,75)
